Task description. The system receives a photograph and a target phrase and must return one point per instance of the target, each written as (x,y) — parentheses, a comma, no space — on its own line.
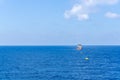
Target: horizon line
(69,45)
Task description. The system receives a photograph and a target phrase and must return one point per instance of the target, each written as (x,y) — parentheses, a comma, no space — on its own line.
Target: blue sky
(59,22)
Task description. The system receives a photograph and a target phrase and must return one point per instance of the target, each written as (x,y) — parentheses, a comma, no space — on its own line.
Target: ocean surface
(59,63)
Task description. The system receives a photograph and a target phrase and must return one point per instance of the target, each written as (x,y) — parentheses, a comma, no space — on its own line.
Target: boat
(79,47)
(86,58)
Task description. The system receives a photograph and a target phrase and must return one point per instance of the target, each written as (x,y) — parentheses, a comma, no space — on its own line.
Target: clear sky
(59,22)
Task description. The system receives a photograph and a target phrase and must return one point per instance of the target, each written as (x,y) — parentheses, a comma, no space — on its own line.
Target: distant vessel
(79,47)
(86,58)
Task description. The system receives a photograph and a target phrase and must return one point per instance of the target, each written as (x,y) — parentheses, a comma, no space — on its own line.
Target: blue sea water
(59,63)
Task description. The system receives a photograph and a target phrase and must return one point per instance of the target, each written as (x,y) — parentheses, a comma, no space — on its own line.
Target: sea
(59,63)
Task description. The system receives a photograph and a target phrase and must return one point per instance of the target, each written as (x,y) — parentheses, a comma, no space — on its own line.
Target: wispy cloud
(77,11)
(112,15)
(83,8)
